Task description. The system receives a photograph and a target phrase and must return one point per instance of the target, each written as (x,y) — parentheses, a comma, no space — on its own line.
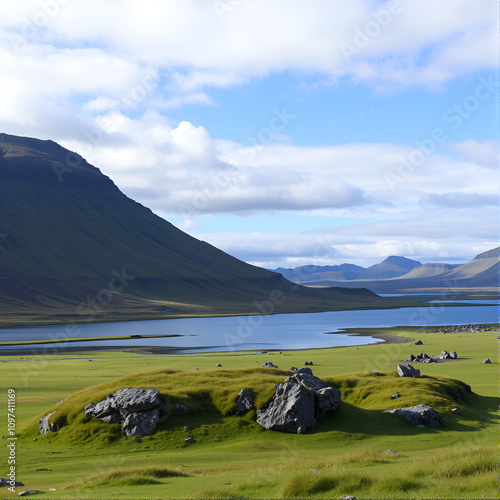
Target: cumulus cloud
(485,153)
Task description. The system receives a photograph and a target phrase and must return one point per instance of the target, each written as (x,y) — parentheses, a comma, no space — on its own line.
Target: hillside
(73,244)
(391,267)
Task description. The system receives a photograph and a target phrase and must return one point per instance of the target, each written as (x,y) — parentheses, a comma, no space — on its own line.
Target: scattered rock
(444,355)
(268,364)
(308,363)
(291,409)
(390,452)
(347,497)
(244,402)
(374,372)
(395,396)
(218,365)
(9,483)
(186,427)
(408,371)
(420,426)
(45,427)
(28,492)
(293,368)
(486,361)
(35,439)
(453,355)
(182,409)
(141,423)
(39,470)
(456,411)
(419,415)
(327,400)
(307,380)
(418,342)
(189,440)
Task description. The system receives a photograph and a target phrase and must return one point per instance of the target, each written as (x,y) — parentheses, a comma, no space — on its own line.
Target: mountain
(71,243)
(341,272)
(391,267)
(480,274)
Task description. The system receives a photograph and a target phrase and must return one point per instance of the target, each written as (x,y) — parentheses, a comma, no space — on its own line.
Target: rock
(347,497)
(456,411)
(141,423)
(28,492)
(268,364)
(486,361)
(307,371)
(419,415)
(35,439)
(395,396)
(308,363)
(420,426)
(390,452)
(418,342)
(9,483)
(444,355)
(102,409)
(291,409)
(189,440)
(411,358)
(293,368)
(244,402)
(374,372)
(186,427)
(307,380)
(44,426)
(39,470)
(218,365)
(327,400)
(453,355)
(182,409)
(408,371)
(130,400)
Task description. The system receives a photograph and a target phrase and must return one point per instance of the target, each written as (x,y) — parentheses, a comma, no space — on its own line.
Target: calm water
(281,331)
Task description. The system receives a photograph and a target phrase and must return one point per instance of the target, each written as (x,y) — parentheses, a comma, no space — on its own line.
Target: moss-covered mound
(211,395)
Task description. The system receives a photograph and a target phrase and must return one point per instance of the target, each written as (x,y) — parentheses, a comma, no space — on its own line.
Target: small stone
(268,364)
(183,409)
(186,427)
(218,365)
(456,411)
(395,396)
(486,361)
(226,483)
(28,492)
(189,440)
(374,372)
(390,452)
(35,439)
(39,470)
(420,426)
(418,342)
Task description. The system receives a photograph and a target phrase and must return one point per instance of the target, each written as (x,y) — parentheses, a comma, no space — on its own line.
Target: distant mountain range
(72,243)
(401,275)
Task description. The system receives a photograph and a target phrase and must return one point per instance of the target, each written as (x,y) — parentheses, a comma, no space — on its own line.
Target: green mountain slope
(69,236)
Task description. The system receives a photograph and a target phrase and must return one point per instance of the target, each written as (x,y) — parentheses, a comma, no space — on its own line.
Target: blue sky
(282,134)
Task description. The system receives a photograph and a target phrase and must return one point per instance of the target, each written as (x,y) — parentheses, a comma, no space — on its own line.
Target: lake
(280,331)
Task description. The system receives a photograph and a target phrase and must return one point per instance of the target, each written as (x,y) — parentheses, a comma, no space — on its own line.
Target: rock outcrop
(45,427)
(408,371)
(244,402)
(299,403)
(138,409)
(268,364)
(419,415)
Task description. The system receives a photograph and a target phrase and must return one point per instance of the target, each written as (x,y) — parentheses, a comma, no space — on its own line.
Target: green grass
(348,447)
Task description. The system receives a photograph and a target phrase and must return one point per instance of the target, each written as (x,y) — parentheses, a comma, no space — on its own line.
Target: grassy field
(232,456)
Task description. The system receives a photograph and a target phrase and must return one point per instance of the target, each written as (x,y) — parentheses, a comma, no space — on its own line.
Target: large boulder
(419,415)
(129,400)
(141,423)
(45,427)
(453,355)
(268,364)
(291,409)
(408,371)
(444,355)
(244,402)
(486,361)
(327,400)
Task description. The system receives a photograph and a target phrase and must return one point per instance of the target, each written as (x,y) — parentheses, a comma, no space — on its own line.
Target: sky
(285,132)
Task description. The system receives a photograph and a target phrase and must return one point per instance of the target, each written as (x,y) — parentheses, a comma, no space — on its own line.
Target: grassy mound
(212,394)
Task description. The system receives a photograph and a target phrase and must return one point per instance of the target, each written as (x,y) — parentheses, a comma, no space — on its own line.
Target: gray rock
(244,402)
(486,361)
(218,365)
(307,380)
(182,409)
(419,415)
(141,423)
(268,364)
(28,492)
(189,440)
(307,371)
(444,355)
(347,497)
(453,355)
(308,363)
(456,411)
(411,358)
(45,427)
(418,342)
(327,400)
(396,395)
(420,426)
(101,409)
(390,452)
(291,409)
(9,483)
(293,368)
(129,400)
(374,372)
(408,371)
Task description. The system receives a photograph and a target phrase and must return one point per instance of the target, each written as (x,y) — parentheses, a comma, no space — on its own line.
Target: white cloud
(485,153)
